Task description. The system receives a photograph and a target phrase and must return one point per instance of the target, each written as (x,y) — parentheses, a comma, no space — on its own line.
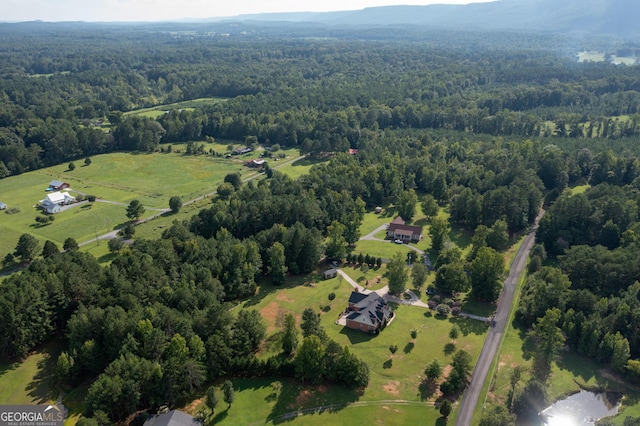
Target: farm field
(151,178)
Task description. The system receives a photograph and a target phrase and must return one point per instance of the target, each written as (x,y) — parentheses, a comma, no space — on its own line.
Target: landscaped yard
(394,378)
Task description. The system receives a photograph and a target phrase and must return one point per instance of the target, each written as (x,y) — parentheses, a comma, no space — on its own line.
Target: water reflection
(581,409)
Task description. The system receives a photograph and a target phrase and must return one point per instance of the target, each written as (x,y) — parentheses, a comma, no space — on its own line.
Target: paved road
(492,342)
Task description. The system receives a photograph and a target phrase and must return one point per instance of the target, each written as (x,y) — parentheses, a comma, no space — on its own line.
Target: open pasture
(116,179)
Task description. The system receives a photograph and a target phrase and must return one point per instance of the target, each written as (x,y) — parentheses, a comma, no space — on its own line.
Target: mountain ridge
(563,16)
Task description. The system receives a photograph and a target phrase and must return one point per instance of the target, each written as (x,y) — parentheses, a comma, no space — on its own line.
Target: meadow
(151,178)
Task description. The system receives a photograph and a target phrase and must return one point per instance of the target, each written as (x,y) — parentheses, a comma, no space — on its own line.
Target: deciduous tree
(175,203)
(397,274)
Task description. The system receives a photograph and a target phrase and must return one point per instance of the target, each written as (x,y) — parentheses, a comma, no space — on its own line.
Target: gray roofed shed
(173,418)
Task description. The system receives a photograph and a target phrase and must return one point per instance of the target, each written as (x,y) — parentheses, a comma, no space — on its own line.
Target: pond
(581,409)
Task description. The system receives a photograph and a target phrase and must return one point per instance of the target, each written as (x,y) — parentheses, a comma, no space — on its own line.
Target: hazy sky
(154,10)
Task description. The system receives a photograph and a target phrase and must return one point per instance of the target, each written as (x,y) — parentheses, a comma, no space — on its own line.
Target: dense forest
(319,95)
(491,134)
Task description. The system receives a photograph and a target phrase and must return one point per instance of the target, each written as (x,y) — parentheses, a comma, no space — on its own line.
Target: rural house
(255,164)
(57,185)
(173,418)
(368,312)
(397,230)
(241,150)
(55,200)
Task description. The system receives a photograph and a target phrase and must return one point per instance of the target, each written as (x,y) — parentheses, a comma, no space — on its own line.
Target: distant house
(368,312)
(57,185)
(353,151)
(54,201)
(330,273)
(397,230)
(256,164)
(378,210)
(2,205)
(241,150)
(173,418)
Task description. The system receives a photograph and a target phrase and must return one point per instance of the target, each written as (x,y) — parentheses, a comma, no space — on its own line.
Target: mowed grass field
(151,178)
(30,381)
(396,393)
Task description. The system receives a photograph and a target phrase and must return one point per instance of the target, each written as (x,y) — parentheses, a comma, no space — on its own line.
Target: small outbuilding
(241,150)
(57,185)
(330,273)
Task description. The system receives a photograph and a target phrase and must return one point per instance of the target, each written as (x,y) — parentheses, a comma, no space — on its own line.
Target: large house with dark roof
(398,230)
(367,312)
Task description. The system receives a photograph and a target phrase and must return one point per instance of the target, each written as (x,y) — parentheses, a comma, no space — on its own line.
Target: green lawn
(383,249)
(393,378)
(256,402)
(32,380)
(158,110)
(299,167)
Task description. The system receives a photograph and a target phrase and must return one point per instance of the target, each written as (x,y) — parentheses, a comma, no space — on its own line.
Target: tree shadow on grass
(356,336)
(387,364)
(295,399)
(427,389)
(220,416)
(43,386)
(106,257)
(266,288)
(449,348)
(408,347)
(468,326)
(459,236)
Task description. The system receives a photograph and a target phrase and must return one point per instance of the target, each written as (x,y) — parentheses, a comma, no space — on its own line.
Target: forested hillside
(490,135)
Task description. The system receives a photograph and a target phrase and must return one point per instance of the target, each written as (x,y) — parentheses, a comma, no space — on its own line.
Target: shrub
(91,198)
(432,304)
(448,302)
(332,296)
(456,310)
(80,197)
(443,309)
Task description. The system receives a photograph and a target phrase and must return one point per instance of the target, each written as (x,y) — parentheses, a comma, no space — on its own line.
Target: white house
(54,201)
